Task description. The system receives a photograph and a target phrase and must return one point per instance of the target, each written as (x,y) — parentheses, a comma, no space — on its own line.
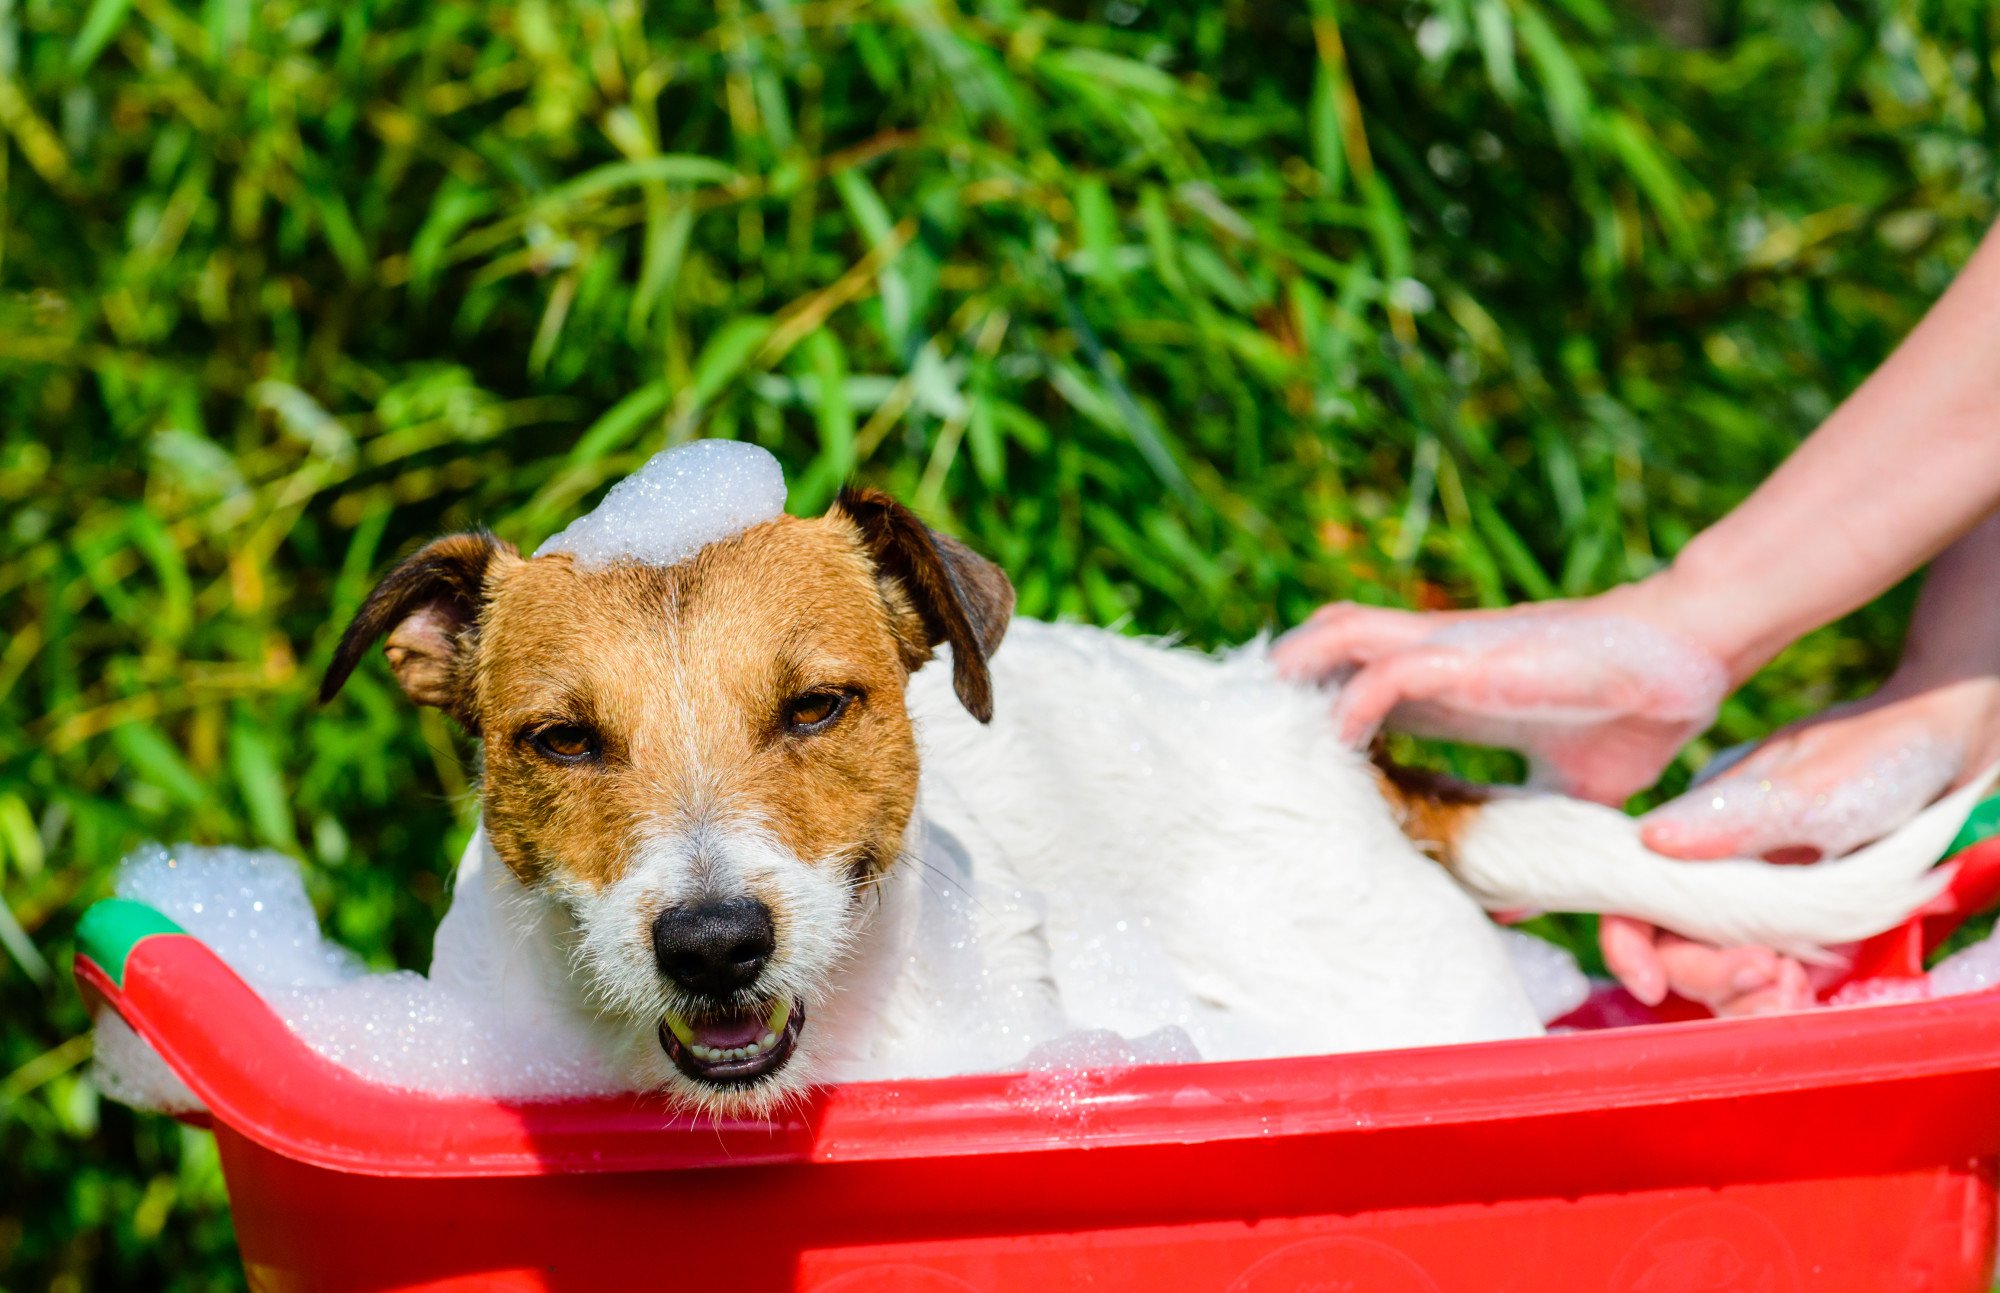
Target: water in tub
(485,1023)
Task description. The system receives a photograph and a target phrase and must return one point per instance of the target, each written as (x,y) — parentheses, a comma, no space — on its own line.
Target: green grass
(1193,314)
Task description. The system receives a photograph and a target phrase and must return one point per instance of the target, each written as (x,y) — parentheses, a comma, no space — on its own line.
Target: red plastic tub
(1838,1150)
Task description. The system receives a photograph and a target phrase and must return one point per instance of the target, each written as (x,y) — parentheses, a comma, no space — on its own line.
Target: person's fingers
(1747,810)
(1344,634)
(1716,976)
(1730,981)
(1368,697)
(1790,990)
(1681,831)
(1803,813)
(1629,954)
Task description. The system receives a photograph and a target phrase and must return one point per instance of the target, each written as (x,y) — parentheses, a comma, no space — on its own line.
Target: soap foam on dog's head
(681,501)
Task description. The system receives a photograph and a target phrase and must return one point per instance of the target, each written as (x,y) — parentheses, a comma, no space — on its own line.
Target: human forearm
(1955,629)
(1906,465)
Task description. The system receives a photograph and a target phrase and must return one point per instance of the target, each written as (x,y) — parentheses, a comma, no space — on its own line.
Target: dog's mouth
(732,1049)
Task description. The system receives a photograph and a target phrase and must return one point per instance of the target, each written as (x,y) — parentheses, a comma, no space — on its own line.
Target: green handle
(113,927)
(1983,823)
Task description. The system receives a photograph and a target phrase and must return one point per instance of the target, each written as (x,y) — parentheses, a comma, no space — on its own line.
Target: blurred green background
(1194,314)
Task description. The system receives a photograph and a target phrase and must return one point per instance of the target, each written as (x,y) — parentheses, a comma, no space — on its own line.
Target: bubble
(1638,662)
(1971,969)
(401,1029)
(1549,974)
(681,501)
(1771,812)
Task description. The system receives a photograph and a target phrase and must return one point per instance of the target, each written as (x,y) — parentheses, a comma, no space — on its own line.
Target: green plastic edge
(113,927)
(1983,823)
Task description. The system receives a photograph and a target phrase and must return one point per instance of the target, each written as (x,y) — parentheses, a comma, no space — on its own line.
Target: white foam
(1063,1074)
(680,501)
(125,1068)
(1535,682)
(456,1034)
(399,1028)
(1549,974)
(1759,813)
(1622,664)
(1104,1048)
(249,906)
(1970,969)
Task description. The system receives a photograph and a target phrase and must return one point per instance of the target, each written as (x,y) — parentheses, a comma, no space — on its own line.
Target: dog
(718,798)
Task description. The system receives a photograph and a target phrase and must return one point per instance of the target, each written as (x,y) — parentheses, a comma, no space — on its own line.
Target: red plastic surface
(1838,1150)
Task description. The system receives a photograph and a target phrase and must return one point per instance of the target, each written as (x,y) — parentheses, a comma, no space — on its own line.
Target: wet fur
(1200,796)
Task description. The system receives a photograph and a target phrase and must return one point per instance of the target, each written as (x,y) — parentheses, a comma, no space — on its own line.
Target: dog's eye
(565,743)
(815,711)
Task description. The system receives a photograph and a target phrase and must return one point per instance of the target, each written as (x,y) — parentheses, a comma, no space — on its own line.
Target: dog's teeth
(780,1015)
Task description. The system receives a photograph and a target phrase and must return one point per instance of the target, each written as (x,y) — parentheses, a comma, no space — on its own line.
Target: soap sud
(980,1015)
(131,1072)
(1680,680)
(679,502)
(1879,992)
(442,1037)
(1970,969)
(1529,693)
(249,906)
(405,1030)
(983,1007)
(1549,974)
(1106,1050)
(1772,812)
(400,1029)
(1974,968)
(1063,1076)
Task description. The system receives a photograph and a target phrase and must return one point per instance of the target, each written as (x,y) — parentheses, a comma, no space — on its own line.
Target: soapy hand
(1820,788)
(1598,697)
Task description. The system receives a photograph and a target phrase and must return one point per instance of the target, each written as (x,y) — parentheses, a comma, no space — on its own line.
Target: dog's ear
(427,606)
(938,589)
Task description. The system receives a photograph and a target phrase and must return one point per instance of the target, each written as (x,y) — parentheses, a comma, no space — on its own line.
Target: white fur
(1563,855)
(1199,797)
(712,854)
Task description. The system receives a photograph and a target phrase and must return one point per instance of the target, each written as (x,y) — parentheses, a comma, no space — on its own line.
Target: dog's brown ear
(955,595)
(427,605)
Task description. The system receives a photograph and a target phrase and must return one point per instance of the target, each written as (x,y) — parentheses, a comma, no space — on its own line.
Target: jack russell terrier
(714,794)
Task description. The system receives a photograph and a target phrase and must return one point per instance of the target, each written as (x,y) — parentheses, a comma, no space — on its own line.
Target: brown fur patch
(429,607)
(953,594)
(1433,809)
(685,673)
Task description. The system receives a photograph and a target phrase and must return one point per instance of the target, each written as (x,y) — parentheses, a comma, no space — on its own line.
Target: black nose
(714,948)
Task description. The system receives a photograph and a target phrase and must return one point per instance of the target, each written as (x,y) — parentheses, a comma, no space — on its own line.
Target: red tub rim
(258,1078)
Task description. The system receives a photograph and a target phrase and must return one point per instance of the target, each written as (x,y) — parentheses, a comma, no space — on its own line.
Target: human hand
(1820,788)
(1597,693)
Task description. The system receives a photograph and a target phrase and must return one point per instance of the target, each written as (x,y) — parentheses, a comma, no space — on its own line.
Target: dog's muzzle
(732,1049)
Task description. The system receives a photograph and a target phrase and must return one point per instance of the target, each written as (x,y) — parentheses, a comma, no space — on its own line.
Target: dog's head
(709,765)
